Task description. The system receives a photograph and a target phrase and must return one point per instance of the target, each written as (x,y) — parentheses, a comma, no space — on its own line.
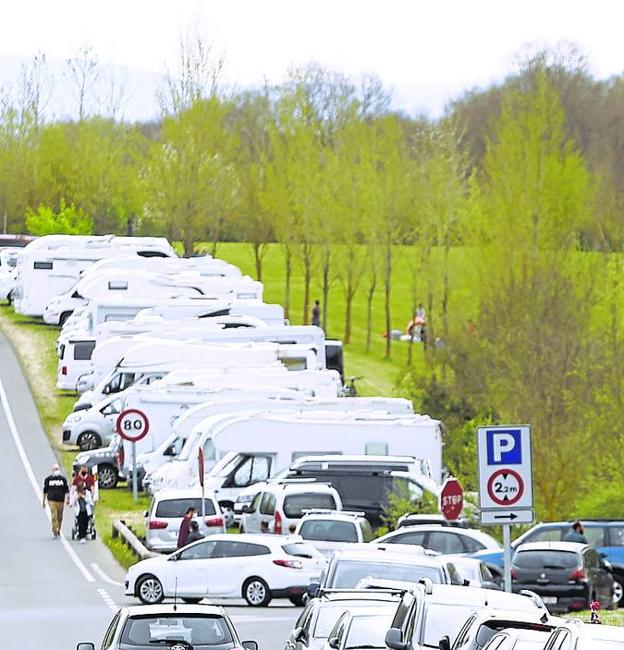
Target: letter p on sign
(504,447)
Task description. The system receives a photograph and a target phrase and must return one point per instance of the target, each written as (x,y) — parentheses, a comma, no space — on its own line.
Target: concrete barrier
(121,531)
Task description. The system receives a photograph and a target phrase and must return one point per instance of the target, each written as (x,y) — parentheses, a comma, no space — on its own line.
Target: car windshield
(172,508)
(368,631)
(328,530)
(295,504)
(544,559)
(349,572)
(300,550)
(198,630)
(490,628)
(444,619)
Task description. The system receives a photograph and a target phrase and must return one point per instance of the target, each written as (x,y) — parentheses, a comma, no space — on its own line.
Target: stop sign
(451,499)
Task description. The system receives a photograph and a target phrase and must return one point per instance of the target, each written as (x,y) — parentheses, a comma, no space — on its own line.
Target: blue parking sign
(504,446)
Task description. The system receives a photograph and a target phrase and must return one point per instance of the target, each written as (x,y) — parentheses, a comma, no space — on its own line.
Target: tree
(67,221)
(83,74)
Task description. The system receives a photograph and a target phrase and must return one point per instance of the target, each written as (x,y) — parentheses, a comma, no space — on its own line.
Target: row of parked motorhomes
(192,347)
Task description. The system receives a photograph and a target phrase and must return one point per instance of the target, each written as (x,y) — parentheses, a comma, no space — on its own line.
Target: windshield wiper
(552,566)
(167,641)
(362,647)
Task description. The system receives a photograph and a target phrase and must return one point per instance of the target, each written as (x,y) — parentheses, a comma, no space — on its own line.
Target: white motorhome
(248,448)
(154,358)
(43,274)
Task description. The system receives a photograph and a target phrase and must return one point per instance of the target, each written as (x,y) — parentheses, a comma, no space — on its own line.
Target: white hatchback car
(442,539)
(278,507)
(329,531)
(254,567)
(168,507)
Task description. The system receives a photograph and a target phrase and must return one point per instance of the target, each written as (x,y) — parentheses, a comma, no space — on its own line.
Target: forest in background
(507,213)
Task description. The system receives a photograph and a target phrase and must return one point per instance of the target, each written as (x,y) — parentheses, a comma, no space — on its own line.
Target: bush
(69,220)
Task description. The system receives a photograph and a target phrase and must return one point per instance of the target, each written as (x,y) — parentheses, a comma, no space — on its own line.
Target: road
(55,593)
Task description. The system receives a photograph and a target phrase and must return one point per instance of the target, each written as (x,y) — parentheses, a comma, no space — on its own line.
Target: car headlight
(72,418)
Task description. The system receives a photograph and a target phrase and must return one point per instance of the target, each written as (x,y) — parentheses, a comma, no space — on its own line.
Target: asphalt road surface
(55,593)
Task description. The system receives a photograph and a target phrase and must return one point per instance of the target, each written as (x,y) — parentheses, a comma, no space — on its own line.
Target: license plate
(549,600)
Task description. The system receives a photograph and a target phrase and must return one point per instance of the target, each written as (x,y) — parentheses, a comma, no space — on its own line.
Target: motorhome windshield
(190,445)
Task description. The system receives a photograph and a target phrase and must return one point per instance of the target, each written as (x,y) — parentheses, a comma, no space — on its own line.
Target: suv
(607,536)
(431,616)
(567,575)
(277,507)
(329,530)
(168,507)
(108,460)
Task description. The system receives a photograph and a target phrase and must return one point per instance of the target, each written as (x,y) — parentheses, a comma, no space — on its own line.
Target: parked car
(168,507)
(91,428)
(360,630)
(567,575)
(347,568)
(431,616)
(475,573)
(109,461)
(278,507)
(257,568)
(606,535)
(318,617)
(573,634)
(441,539)
(486,622)
(517,639)
(330,530)
(140,628)
(419,519)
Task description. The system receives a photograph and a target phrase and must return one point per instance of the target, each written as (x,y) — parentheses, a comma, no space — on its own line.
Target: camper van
(181,474)
(43,274)
(250,448)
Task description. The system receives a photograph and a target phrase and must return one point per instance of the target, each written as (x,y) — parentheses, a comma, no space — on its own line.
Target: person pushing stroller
(83,514)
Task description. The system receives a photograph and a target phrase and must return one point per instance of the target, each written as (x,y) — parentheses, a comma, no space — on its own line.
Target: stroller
(91,534)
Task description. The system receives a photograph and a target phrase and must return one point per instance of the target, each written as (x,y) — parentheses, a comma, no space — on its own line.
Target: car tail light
(64,370)
(514,573)
(289,564)
(277,524)
(121,457)
(214,521)
(578,574)
(157,525)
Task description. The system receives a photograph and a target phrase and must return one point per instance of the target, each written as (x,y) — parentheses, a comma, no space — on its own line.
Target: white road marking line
(97,569)
(4,400)
(108,600)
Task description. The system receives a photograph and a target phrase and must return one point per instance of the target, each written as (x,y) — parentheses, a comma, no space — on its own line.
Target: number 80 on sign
(132,425)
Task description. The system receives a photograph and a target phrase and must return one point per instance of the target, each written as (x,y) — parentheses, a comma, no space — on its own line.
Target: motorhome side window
(376,449)
(253,470)
(83,350)
(120,382)
(43,266)
(294,363)
(113,408)
(118,285)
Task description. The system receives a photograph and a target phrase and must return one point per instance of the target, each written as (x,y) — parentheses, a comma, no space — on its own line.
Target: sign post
(200,469)
(133,425)
(451,499)
(505,481)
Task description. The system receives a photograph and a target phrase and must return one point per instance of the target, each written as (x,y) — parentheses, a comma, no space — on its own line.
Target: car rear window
(200,630)
(544,559)
(299,550)
(349,572)
(295,504)
(328,530)
(171,508)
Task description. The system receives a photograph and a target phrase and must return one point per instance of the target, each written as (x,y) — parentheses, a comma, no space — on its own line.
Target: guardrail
(123,532)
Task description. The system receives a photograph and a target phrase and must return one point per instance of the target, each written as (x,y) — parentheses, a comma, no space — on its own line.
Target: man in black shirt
(56,492)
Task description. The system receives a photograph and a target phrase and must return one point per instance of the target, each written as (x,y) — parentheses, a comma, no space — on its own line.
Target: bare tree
(34,92)
(83,74)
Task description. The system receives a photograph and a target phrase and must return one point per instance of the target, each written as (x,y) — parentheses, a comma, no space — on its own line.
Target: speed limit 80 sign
(132,425)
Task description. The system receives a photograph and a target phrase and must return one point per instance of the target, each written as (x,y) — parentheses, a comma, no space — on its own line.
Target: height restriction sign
(505,467)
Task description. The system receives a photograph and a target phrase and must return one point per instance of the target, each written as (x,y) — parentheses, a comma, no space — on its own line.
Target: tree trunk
(256,246)
(445,297)
(369,311)
(348,305)
(189,245)
(307,279)
(326,266)
(288,269)
(387,291)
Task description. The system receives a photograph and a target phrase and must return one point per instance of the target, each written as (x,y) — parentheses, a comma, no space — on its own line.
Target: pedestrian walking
(83,511)
(84,479)
(316,313)
(577,534)
(56,493)
(185,526)
(194,535)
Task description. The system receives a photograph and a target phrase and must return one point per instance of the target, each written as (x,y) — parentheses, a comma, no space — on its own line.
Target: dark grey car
(107,459)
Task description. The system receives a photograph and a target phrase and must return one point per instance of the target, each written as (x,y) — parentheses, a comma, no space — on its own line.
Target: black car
(107,459)
(567,575)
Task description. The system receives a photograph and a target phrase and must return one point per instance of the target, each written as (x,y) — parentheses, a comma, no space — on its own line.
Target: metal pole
(203,508)
(135,486)
(507,555)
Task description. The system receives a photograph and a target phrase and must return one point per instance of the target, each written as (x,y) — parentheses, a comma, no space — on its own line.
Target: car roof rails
(358,592)
(534,597)
(427,584)
(332,511)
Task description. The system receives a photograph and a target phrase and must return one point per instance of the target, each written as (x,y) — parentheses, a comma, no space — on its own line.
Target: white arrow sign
(498,517)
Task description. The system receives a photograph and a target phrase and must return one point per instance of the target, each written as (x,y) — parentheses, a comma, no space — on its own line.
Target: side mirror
(445,643)
(394,639)
(146,514)
(607,566)
(174,557)
(333,642)
(313,588)
(246,509)
(85,646)
(297,633)
(250,645)
(106,390)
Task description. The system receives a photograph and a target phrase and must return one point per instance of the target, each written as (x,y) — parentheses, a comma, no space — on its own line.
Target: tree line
(508,210)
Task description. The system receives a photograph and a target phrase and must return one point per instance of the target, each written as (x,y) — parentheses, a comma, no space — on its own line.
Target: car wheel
(192,601)
(618,591)
(149,590)
(298,601)
(89,440)
(63,317)
(107,477)
(256,592)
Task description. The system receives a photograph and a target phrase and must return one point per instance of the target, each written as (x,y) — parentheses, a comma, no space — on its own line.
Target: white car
(254,567)
(93,427)
(205,626)
(278,507)
(329,531)
(442,539)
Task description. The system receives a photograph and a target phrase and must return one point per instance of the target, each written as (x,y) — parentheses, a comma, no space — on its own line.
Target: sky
(426,53)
